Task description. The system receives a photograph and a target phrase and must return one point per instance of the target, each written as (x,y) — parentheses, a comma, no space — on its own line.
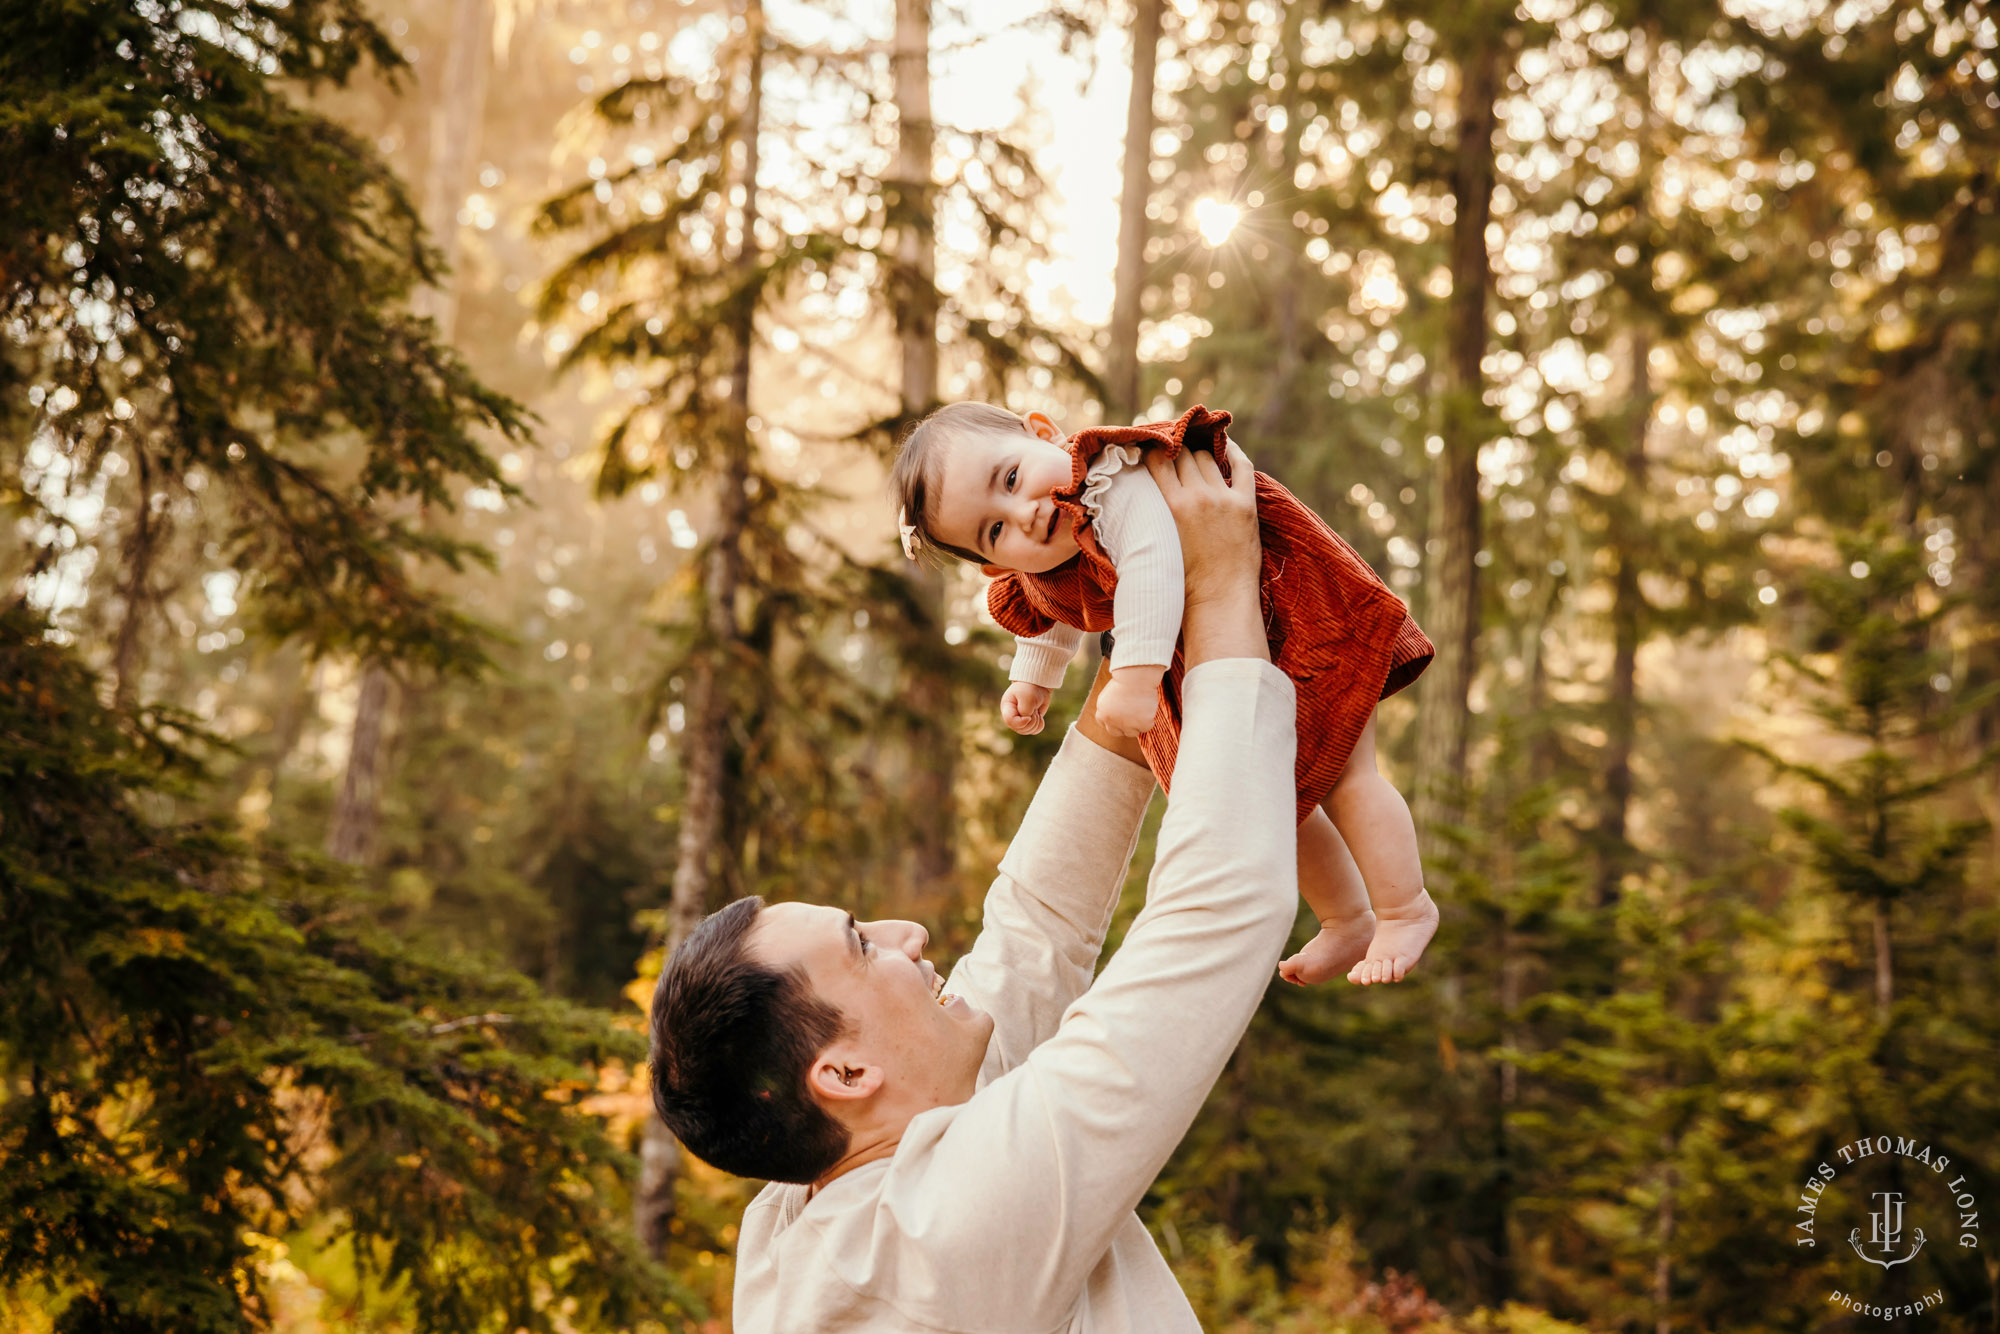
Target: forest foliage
(493,396)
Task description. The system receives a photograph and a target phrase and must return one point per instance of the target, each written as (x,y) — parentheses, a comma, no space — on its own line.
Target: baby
(1078,538)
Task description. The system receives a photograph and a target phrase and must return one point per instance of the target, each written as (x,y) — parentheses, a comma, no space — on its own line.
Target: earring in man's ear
(847,1073)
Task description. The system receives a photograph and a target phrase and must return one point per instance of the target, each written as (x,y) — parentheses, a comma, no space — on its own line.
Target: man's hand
(1130,702)
(1217,523)
(1025,707)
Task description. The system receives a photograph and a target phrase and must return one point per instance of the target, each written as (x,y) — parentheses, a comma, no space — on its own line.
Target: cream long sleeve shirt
(1012,1212)
(1136,530)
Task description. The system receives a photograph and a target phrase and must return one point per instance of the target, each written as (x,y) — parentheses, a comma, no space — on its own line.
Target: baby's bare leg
(1332,887)
(1375,821)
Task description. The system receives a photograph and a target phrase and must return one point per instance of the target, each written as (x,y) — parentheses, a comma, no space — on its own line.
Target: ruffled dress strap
(1103,471)
(1007,599)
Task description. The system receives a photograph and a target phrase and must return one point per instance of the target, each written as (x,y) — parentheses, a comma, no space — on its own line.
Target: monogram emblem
(1885,1232)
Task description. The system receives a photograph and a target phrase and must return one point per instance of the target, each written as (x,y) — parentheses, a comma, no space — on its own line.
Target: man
(966,1155)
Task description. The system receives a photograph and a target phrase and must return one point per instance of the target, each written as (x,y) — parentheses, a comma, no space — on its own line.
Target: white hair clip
(909,531)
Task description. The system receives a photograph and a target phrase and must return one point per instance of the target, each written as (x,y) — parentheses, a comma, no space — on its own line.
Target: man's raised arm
(1045,916)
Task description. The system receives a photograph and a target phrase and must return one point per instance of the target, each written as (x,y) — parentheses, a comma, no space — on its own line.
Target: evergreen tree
(204,287)
(211,370)
(1874,843)
(456,119)
(201,1045)
(1899,1027)
(1887,343)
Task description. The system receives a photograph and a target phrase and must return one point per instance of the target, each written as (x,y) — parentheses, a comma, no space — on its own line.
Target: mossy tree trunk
(457,117)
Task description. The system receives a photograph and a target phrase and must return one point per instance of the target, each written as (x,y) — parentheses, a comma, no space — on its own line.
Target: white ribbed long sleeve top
(1136,530)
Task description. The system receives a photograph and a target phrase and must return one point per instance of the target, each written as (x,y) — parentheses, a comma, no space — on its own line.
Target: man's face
(925,1054)
(996,496)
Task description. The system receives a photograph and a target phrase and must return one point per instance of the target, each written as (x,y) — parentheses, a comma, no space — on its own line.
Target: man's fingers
(1240,466)
(1203,465)
(1182,467)
(1165,471)
(1197,467)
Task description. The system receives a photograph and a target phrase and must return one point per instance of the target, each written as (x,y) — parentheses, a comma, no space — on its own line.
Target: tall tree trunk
(705,751)
(352,838)
(1621,724)
(1500,1216)
(1286,353)
(457,117)
(1885,968)
(1628,603)
(930,857)
(914,293)
(1452,605)
(1663,1259)
(125,654)
(1544,749)
(1122,378)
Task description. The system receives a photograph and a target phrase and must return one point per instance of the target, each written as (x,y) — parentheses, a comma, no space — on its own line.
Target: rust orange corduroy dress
(1336,629)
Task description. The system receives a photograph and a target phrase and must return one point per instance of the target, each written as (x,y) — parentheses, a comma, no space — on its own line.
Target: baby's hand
(1130,700)
(1024,707)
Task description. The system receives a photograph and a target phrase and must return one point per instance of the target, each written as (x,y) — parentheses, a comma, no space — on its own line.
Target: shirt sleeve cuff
(1214,676)
(1039,663)
(1136,652)
(1103,769)
(1087,791)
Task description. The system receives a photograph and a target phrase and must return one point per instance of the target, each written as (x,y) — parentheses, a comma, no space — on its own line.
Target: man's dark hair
(733,1043)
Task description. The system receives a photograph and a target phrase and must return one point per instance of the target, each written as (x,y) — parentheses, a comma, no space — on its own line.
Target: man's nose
(911,938)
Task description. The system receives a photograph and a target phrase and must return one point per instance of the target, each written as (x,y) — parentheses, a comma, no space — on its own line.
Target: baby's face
(995,497)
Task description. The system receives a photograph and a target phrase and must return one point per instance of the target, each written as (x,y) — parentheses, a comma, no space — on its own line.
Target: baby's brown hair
(919,466)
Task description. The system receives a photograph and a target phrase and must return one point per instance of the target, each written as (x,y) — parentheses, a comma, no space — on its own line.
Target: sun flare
(1215,220)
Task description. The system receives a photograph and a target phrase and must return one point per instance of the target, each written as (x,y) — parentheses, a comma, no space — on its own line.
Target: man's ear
(1042,427)
(840,1076)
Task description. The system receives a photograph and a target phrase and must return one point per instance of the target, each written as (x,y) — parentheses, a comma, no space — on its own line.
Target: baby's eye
(993,537)
(1012,473)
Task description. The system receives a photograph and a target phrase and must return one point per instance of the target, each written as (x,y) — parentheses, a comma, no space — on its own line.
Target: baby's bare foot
(1338,947)
(1400,937)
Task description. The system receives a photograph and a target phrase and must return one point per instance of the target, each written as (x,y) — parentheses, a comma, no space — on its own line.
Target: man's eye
(1011,474)
(866,944)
